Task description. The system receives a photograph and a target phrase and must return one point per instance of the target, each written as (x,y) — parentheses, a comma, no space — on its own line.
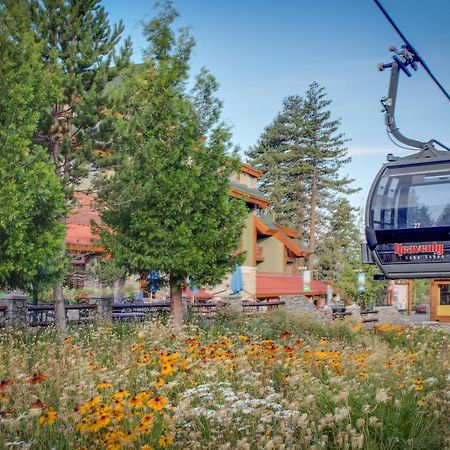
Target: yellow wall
(443,310)
(247,240)
(273,251)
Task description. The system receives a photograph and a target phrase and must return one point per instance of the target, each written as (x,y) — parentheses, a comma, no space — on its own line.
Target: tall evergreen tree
(167,207)
(79,47)
(339,247)
(301,155)
(31,199)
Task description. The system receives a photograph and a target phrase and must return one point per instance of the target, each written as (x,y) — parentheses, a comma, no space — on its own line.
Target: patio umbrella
(236,285)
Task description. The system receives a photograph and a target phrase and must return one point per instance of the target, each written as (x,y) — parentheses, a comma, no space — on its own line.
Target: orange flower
(5,383)
(36,378)
(285,335)
(37,405)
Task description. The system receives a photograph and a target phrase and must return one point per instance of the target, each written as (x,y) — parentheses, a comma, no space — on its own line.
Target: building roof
(265,225)
(248,169)
(277,285)
(79,235)
(249,194)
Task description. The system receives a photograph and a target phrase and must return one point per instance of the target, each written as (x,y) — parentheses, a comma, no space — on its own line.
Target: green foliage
(167,202)
(302,141)
(31,199)
(79,47)
(421,292)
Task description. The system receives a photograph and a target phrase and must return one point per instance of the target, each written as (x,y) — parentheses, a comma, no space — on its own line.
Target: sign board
(361,281)
(307,281)
(329,294)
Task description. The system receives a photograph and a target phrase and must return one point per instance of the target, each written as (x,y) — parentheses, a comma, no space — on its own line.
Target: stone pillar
(355,310)
(16,309)
(104,307)
(234,302)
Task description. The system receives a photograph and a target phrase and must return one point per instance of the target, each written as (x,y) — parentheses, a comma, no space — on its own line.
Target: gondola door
(440,300)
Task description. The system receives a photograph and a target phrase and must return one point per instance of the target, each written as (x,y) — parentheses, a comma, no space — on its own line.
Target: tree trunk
(60,312)
(176,303)
(312,224)
(58,297)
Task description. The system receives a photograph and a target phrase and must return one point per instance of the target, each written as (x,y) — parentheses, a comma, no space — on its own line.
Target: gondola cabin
(408,217)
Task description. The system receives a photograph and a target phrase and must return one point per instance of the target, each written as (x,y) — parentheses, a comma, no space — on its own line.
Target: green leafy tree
(301,155)
(166,205)
(31,199)
(79,48)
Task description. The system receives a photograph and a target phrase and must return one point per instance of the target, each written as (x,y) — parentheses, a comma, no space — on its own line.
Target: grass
(236,382)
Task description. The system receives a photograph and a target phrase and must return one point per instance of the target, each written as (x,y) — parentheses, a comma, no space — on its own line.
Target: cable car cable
(415,53)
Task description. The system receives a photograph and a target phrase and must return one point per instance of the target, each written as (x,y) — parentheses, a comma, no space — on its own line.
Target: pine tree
(339,247)
(301,154)
(272,154)
(79,47)
(31,199)
(167,207)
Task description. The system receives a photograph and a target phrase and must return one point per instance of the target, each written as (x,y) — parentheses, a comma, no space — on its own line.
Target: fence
(15,310)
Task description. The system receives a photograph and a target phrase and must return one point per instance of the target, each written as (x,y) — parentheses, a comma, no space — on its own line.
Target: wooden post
(410,296)
(434,299)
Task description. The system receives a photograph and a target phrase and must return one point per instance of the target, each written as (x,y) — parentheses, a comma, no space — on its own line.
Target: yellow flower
(49,417)
(147,447)
(167,369)
(141,335)
(324,341)
(162,441)
(159,382)
(86,407)
(117,439)
(157,403)
(104,385)
(120,394)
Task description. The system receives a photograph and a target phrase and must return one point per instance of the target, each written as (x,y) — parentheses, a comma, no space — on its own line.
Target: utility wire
(417,57)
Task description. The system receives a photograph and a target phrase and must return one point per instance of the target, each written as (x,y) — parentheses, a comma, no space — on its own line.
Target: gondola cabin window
(412,197)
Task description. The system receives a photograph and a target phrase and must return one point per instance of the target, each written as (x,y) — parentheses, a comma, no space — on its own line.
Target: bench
(367,312)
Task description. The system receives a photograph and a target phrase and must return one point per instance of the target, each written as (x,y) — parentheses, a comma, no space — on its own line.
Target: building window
(445,294)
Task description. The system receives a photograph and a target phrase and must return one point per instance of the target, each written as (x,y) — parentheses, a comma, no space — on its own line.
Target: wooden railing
(256,307)
(43,315)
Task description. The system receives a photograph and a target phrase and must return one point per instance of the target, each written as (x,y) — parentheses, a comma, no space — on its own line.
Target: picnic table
(137,310)
(367,313)
(43,315)
(340,313)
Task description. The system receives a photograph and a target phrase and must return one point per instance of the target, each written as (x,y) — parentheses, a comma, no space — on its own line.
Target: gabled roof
(265,225)
(247,168)
(277,285)
(249,194)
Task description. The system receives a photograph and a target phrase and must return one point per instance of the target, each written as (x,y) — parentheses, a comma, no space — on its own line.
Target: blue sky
(264,50)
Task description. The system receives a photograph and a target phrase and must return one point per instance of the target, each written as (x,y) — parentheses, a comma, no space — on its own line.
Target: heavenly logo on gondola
(435,248)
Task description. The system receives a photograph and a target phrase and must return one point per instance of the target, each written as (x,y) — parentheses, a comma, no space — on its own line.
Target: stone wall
(303,305)
(16,314)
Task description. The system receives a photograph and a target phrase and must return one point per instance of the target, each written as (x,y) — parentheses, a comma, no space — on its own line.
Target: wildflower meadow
(275,381)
